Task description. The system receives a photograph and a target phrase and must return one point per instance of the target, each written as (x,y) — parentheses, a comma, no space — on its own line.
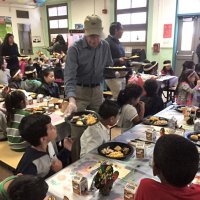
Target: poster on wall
(167,31)
(5,26)
(167,40)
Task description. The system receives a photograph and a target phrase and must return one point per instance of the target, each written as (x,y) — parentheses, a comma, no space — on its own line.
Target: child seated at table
(175,162)
(167,68)
(153,102)
(186,87)
(16,79)
(99,133)
(4,72)
(30,84)
(132,109)
(23,187)
(48,87)
(151,68)
(40,158)
(15,102)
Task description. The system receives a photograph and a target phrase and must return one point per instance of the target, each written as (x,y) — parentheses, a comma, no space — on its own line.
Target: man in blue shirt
(84,71)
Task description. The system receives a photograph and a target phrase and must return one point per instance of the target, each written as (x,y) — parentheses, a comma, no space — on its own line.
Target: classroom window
(132,14)
(57,16)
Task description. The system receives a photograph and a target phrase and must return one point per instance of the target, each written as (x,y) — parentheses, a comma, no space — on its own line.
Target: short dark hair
(27,187)
(132,91)
(46,72)
(166,62)
(33,127)
(177,158)
(188,65)
(115,26)
(108,109)
(151,87)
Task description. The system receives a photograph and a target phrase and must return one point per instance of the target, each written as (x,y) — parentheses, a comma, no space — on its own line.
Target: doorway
(25,42)
(188,39)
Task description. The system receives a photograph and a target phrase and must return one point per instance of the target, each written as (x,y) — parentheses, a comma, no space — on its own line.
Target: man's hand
(68,143)
(71,107)
(122,60)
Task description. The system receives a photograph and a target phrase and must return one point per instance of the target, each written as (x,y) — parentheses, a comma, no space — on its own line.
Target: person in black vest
(116,81)
(10,49)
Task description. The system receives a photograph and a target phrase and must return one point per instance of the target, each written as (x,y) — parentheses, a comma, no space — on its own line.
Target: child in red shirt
(175,162)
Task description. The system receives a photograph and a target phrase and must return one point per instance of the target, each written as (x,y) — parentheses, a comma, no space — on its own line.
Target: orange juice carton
(140,150)
(129,191)
(79,184)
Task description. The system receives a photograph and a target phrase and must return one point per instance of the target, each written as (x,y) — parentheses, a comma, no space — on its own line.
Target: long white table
(132,169)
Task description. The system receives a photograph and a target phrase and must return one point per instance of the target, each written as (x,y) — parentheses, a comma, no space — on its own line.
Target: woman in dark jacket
(59,46)
(10,49)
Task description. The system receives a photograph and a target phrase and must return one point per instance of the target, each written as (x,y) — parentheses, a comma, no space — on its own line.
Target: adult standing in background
(10,49)
(84,71)
(116,81)
(59,45)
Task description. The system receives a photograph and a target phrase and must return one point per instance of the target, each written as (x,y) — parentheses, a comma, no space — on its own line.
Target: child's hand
(141,105)
(56,165)
(198,83)
(68,143)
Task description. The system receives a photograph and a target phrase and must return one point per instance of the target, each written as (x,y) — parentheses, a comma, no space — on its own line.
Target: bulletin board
(5,26)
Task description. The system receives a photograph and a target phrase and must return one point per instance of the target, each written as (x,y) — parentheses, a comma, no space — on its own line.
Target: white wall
(81,8)
(163,13)
(34,21)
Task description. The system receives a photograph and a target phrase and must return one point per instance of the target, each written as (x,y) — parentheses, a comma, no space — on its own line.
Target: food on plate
(194,137)
(36,110)
(157,121)
(84,120)
(118,148)
(161,122)
(116,152)
(152,118)
(80,123)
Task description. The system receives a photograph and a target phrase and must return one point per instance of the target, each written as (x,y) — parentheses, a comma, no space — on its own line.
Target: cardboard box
(79,184)
(140,150)
(129,191)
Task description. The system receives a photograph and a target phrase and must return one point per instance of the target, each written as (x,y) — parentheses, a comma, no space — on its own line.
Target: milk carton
(140,150)
(129,191)
(29,100)
(150,134)
(40,98)
(79,184)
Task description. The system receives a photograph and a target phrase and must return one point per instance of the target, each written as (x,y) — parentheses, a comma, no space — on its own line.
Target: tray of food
(155,121)
(194,137)
(118,68)
(83,118)
(179,108)
(36,110)
(131,57)
(116,150)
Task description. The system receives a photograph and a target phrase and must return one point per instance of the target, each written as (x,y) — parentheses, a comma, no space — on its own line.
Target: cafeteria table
(130,170)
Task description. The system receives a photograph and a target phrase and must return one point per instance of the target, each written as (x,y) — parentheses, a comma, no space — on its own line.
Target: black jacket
(49,90)
(117,51)
(153,104)
(13,53)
